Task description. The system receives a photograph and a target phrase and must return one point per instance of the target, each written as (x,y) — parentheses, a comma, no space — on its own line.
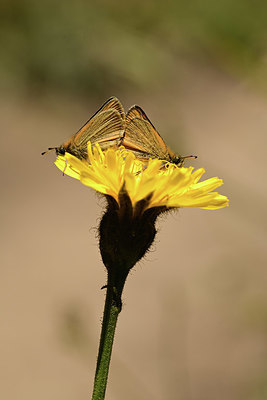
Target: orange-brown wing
(141,136)
(105,126)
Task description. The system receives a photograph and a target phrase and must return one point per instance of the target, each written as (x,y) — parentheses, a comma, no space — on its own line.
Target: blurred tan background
(194,321)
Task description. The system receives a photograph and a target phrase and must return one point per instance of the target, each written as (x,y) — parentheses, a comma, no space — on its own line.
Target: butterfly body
(142,138)
(105,127)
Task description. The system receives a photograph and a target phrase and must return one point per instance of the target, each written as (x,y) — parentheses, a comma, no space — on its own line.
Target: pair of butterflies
(110,127)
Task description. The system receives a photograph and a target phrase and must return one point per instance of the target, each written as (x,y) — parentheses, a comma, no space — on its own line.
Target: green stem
(111,312)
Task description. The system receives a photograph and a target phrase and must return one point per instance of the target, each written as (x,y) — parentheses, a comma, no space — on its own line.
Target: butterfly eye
(177,160)
(61,151)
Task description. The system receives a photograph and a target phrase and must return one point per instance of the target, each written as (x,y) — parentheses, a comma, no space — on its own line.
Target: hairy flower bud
(126,233)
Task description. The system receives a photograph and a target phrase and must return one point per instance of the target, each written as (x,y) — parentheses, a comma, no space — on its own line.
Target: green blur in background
(194,318)
(93,48)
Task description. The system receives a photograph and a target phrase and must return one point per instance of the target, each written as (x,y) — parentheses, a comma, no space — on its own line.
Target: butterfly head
(179,160)
(59,150)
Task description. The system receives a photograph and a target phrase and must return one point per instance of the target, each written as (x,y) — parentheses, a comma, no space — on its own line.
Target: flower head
(165,185)
(137,193)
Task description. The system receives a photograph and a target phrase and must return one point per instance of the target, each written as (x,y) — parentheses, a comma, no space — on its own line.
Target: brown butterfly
(105,127)
(142,138)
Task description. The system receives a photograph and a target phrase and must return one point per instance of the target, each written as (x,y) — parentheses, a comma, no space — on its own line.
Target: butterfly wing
(105,127)
(142,137)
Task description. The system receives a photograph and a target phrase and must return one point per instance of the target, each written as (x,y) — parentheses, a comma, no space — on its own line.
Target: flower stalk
(125,236)
(111,312)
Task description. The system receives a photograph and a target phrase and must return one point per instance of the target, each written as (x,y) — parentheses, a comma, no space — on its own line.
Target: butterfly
(105,127)
(142,138)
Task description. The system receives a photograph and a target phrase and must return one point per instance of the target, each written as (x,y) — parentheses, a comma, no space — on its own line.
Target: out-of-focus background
(194,321)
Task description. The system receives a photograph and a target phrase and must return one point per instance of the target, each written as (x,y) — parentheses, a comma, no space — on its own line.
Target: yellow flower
(168,186)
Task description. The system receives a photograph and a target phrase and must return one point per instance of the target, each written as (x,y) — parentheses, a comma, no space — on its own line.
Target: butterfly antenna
(47,151)
(188,157)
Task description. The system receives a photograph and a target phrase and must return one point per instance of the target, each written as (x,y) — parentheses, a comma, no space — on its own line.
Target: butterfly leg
(66,163)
